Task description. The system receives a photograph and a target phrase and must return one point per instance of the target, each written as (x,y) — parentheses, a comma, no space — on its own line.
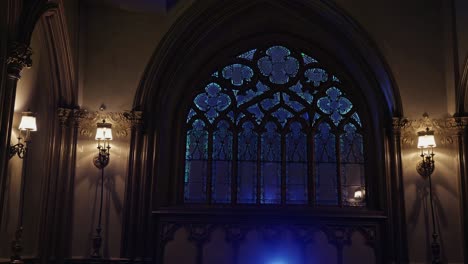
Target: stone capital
(64,115)
(135,118)
(19,57)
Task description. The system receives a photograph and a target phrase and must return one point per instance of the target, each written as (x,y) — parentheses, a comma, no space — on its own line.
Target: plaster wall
(29,96)
(114,46)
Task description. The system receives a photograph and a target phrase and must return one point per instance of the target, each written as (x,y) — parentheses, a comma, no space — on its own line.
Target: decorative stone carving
(444,129)
(78,116)
(338,235)
(271,233)
(370,234)
(304,234)
(121,122)
(200,233)
(64,114)
(168,232)
(399,124)
(135,118)
(235,233)
(457,123)
(19,57)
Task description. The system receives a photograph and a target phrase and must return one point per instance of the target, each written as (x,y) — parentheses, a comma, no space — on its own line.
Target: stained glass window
(222,163)
(274,126)
(271,165)
(296,165)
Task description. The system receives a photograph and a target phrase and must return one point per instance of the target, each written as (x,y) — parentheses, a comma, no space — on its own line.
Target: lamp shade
(359,194)
(28,122)
(426,139)
(104,131)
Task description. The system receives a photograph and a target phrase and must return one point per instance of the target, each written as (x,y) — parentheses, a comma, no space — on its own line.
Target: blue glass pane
(316,117)
(237,73)
(271,165)
(212,101)
(222,163)
(195,183)
(355,116)
(278,65)
(298,89)
(296,106)
(191,114)
(325,166)
(269,103)
(248,55)
(316,76)
(351,145)
(296,165)
(247,142)
(261,87)
(222,142)
(197,141)
(246,96)
(307,59)
(239,117)
(247,164)
(231,115)
(352,164)
(256,112)
(352,179)
(335,104)
(196,165)
(282,115)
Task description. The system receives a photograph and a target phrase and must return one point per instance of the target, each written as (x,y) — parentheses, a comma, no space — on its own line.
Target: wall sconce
(103,137)
(359,194)
(425,168)
(426,142)
(27,124)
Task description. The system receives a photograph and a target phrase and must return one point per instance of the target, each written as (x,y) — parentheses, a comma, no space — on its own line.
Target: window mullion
(209,179)
(234,176)
(310,169)
(259,168)
(283,168)
(338,169)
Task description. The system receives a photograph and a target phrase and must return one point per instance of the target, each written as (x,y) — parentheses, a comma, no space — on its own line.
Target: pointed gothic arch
(59,132)
(202,40)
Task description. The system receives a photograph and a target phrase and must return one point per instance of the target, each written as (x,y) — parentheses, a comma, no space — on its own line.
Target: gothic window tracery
(274,127)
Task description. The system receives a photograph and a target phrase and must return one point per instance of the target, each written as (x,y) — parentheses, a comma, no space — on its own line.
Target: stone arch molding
(54,224)
(199,42)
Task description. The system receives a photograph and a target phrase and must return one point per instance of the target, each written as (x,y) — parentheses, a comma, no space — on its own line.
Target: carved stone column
(19,57)
(398,216)
(135,217)
(459,125)
(58,197)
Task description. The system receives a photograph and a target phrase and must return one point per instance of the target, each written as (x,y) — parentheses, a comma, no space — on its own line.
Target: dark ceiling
(137,5)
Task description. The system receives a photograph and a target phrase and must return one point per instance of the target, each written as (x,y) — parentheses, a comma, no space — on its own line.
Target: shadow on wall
(87,197)
(419,212)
